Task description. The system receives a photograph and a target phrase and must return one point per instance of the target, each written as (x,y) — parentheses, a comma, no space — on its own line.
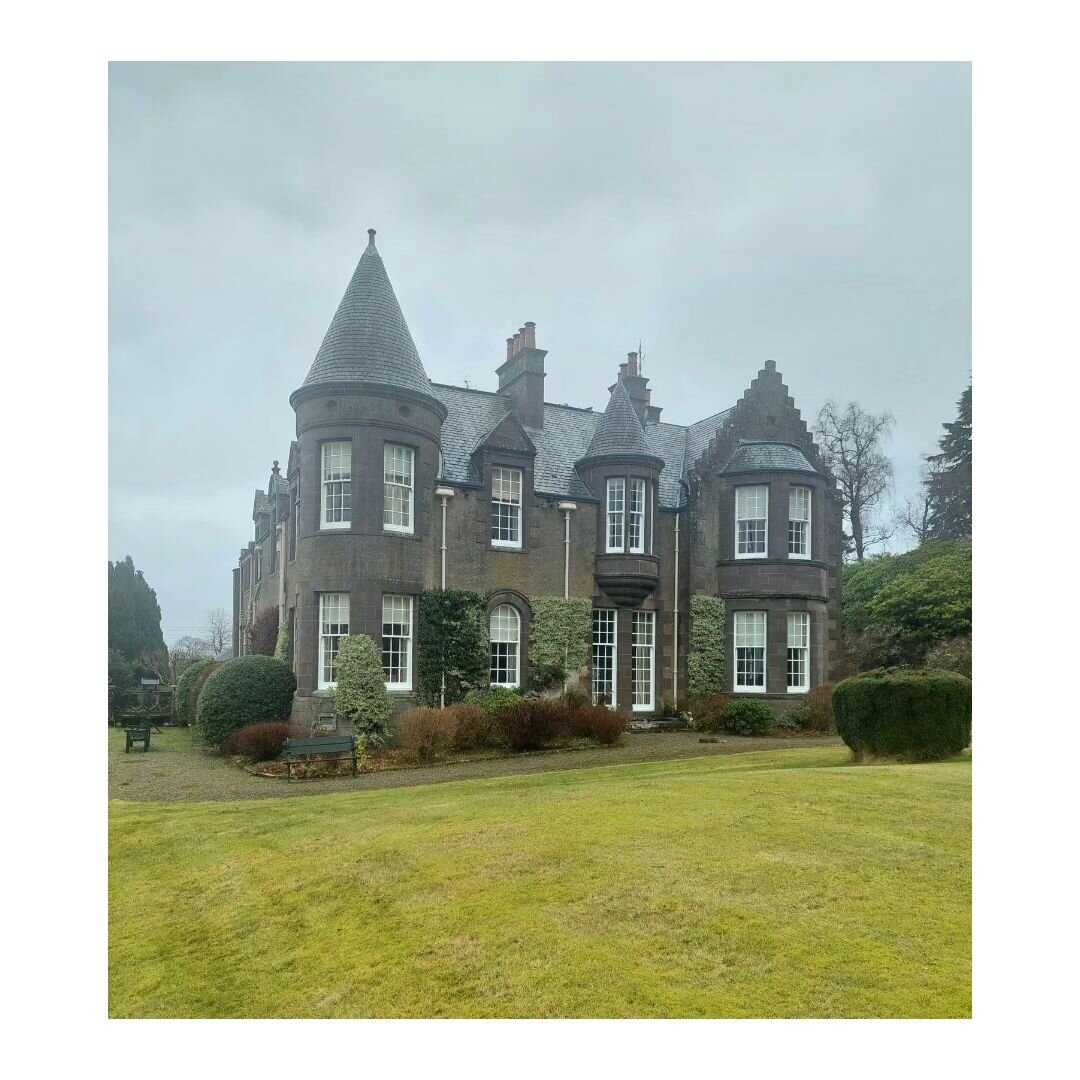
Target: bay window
(751,522)
(333,626)
(506,507)
(605,627)
(336,485)
(750,651)
(798,529)
(397,642)
(798,652)
(397,488)
(636,518)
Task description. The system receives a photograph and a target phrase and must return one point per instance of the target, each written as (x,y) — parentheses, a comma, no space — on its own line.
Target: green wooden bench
(306,749)
(137,731)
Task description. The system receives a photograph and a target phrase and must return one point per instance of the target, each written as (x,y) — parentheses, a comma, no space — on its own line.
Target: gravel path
(176,770)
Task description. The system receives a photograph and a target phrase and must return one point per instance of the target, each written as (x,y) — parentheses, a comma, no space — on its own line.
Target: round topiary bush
(745,717)
(247,690)
(189,686)
(919,715)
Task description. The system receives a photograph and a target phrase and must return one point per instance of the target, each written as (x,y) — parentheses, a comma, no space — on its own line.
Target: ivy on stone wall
(281,649)
(451,642)
(559,638)
(705,665)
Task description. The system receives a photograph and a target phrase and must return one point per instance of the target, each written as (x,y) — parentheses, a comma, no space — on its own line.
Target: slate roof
(368,340)
(766,456)
(567,434)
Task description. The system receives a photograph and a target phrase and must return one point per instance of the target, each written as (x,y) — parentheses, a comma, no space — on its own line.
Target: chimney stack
(521,376)
(636,387)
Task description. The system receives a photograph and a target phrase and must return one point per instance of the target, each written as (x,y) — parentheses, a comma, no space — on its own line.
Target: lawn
(784,883)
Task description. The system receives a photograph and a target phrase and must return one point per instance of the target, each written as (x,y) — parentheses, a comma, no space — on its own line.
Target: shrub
(708,712)
(745,717)
(791,720)
(917,715)
(951,655)
(188,687)
(560,637)
(258,742)
(426,732)
(473,726)
(597,722)
(247,690)
(577,699)
(820,709)
(530,725)
(262,634)
(361,690)
(493,699)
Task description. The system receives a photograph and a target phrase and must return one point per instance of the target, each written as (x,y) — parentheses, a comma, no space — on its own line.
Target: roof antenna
(640,358)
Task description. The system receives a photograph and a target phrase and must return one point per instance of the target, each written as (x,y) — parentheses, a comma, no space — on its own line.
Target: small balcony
(628,579)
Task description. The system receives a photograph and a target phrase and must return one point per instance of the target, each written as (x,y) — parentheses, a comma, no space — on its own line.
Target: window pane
(397,640)
(505,632)
(751,520)
(506,506)
(397,487)
(641,658)
(615,507)
(604,645)
(333,626)
(750,650)
(336,483)
(636,522)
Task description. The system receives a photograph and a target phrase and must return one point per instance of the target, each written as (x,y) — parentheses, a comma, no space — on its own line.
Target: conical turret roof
(368,341)
(619,432)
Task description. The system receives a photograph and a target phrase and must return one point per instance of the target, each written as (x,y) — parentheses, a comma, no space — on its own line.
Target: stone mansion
(396,485)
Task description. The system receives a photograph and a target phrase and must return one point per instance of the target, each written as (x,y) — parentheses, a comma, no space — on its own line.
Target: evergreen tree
(948,486)
(134,618)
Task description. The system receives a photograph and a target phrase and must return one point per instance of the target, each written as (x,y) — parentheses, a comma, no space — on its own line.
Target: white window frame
(616,514)
(643,646)
(792,510)
(331,608)
(741,494)
(798,630)
(515,640)
(398,605)
(605,652)
(638,516)
(328,467)
(397,480)
(502,494)
(740,620)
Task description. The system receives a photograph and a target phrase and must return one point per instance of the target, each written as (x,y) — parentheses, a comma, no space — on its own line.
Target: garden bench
(301,749)
(137,732)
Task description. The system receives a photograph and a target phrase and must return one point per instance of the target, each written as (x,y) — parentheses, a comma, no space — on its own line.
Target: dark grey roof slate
(767,456)
(620,431)
(368,340)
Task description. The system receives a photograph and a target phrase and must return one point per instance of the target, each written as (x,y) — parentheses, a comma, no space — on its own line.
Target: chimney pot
(631,363)
(509,347)
(530,335)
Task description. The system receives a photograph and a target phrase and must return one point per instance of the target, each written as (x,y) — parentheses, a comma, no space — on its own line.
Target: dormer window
(336,485)
(799,523)
(751,522)
(506,507)
(397,488)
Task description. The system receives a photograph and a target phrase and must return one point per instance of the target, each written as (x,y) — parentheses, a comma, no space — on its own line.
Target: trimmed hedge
(745,717)
(247,690)
(189,686)
(919,715)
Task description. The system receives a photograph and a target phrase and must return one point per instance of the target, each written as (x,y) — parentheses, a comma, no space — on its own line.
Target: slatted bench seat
(137,731)
(339,746)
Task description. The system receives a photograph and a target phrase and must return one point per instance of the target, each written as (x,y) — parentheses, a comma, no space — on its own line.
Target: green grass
(783,884)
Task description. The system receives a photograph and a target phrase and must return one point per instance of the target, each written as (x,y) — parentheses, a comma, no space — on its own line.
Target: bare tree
(219,633)
(914,515)
(851,442)
(184,653)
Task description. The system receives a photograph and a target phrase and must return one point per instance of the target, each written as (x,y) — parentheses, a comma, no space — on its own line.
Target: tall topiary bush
(559,638)
(361,688)
(451,643)
(281,647)
(188,687)
(247,690)
(920,715)
(705,665)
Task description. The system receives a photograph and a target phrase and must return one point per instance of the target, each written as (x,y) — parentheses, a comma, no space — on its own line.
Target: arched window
(505,630)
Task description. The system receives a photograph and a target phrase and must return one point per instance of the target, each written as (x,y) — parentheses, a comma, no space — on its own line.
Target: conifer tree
(949,484)
(134,617)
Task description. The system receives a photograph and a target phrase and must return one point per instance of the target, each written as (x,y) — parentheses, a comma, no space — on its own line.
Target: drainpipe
(567,508)
(281,572)
(675,628)
(443,493)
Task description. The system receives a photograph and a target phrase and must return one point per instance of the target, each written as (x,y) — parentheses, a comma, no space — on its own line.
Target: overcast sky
(724,214)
